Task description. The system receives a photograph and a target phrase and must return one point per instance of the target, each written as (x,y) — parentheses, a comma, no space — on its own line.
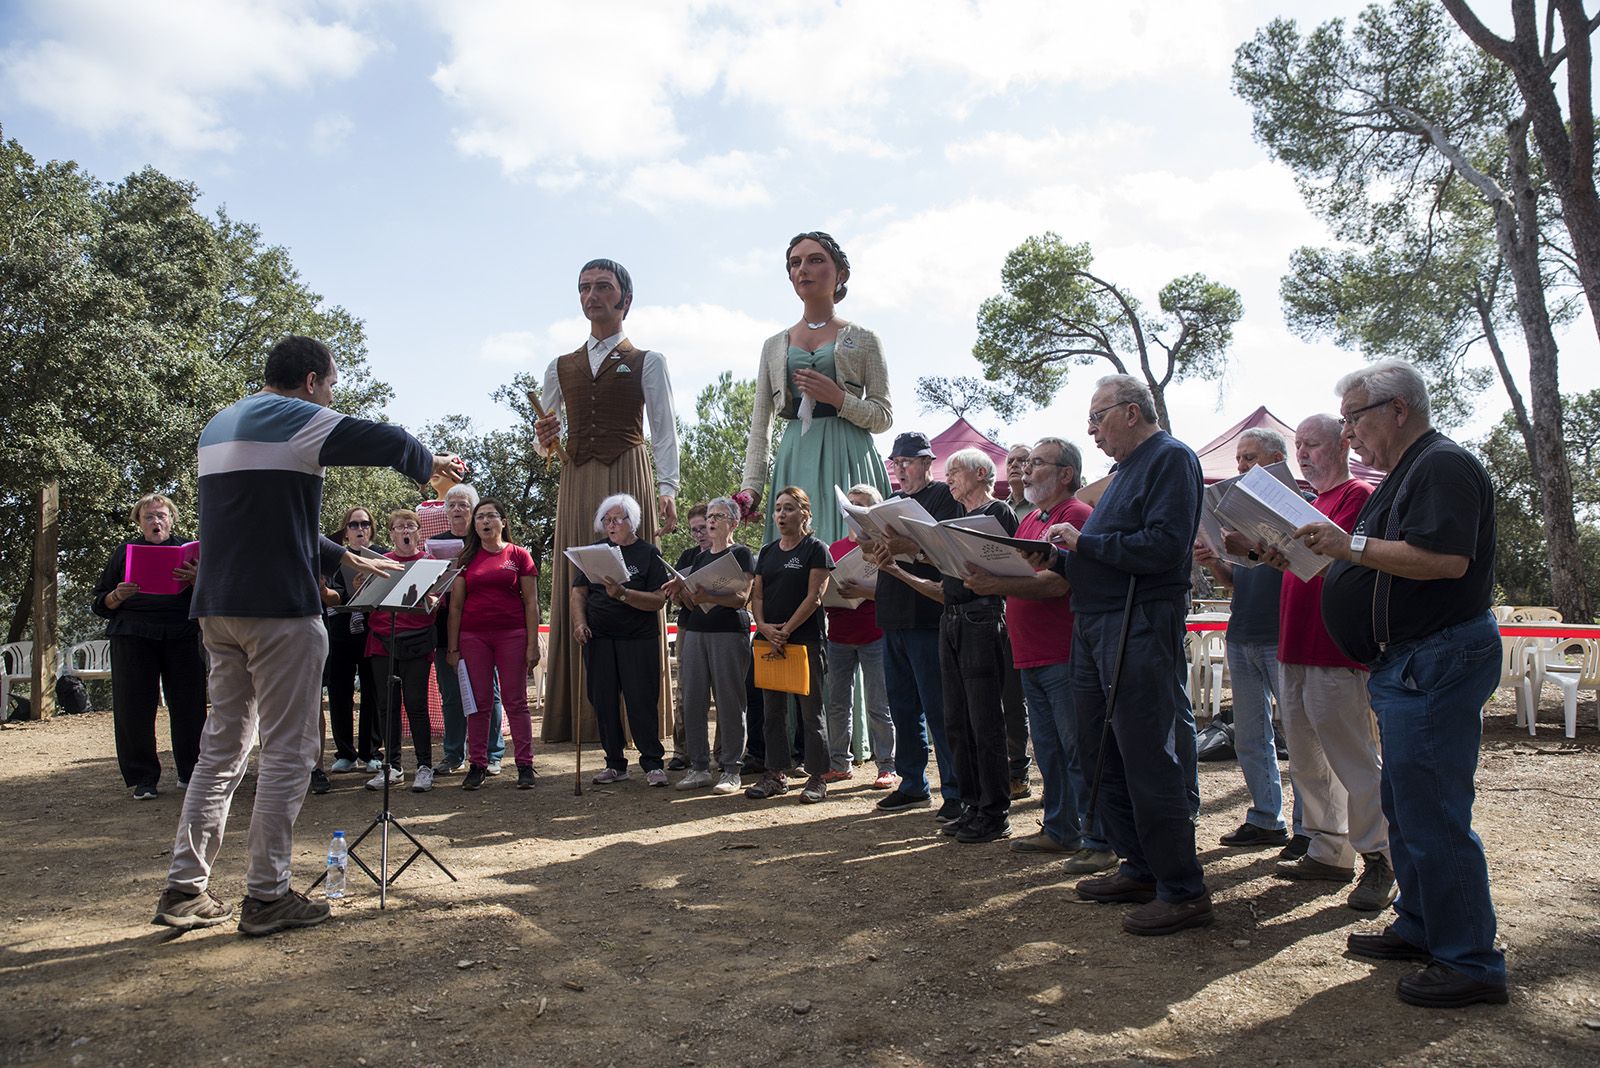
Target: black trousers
(972,662)
(626,670)
(813,728)
(1016,711)
(141,668)
(345,662)
(412,691)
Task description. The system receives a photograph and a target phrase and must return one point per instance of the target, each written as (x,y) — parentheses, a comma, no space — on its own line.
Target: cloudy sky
(443,167)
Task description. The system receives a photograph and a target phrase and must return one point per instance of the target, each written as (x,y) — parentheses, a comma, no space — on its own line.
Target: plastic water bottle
(338,862)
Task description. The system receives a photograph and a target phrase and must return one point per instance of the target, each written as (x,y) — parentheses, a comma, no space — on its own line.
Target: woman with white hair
(972,665)
(619,627)
(714,655)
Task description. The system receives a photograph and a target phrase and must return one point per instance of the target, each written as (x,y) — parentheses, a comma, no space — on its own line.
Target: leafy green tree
(1565,140)
(712,452)
(1520,567)
(1413,146)
(128,319)
(1056,313)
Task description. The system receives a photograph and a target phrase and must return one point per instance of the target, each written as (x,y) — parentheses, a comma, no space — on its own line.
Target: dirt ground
(633,925)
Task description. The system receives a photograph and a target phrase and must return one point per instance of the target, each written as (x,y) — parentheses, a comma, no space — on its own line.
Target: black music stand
(398,594)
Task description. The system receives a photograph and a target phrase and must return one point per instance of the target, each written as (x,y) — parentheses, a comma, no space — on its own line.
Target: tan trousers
(583,487)
(1334,761)
(266,675)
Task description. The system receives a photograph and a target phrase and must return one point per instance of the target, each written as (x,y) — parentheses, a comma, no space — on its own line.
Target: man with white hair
(1253,665)
(1141,534)
(1409,597)
(1333,741)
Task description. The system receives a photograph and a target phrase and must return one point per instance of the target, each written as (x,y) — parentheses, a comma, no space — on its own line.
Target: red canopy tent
(1218,458)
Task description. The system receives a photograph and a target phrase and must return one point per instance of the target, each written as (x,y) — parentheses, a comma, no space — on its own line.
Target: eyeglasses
(406,526)
(489,515)
(906,461)
(723,516)
(613,520)
(1352,418)
(359,524)
(1096,417)
(1031,464)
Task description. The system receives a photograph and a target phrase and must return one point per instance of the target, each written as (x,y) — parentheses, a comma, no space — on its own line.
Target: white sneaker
(656,777)
(494,767)
(342,765)
(727,783)
(695,780)
(374,766)
(396,777)
(422,782)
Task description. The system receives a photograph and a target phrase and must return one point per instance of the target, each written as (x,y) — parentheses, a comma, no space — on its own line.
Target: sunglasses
(359,524)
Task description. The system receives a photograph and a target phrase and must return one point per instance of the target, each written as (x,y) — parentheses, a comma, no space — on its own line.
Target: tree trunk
(1517,233)
(24,609)
(47,514)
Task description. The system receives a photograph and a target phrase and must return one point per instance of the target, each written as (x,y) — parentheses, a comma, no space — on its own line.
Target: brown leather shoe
(1169,917)
(1116,887)
(1385,946)
(1308,868)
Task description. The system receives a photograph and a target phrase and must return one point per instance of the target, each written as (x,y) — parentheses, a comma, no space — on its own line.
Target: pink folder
(151,566)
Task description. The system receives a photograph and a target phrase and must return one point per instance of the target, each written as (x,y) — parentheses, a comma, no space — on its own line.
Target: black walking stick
(1111,705)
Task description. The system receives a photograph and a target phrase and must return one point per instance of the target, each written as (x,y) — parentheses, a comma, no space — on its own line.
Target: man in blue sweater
(1142,531)
(257,596)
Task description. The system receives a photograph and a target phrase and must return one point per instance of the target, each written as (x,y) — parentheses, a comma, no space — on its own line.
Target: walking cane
(1111,705)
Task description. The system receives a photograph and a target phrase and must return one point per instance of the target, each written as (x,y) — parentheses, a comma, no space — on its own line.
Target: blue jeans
(1429,696)
(1148,788)
(842,661)
(1254,668)
(916,704)
(1053,723)
(455,719)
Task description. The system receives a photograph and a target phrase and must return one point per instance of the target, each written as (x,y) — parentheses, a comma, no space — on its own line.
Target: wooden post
(46,539)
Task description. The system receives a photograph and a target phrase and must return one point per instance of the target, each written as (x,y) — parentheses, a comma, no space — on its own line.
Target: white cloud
(329,133)
(164,71)
(1054,152)
(523,348)
(732,180)
(541,85)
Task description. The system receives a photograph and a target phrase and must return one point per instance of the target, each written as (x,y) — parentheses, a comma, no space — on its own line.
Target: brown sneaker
(293,909)
(1169,917)
(769,785)
(1116,887)
(1038,843)
(188,911)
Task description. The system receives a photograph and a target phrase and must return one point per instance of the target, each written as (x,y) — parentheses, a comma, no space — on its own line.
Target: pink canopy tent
(1218,458)
(957,436)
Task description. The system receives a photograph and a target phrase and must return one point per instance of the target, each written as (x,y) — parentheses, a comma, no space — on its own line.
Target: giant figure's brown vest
(605,411)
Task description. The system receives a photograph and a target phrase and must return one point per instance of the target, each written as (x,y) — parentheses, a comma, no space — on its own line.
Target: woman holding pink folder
(155,647)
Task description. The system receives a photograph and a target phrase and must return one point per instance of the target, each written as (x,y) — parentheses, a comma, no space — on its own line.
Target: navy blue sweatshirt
(261,469)
(1144,525)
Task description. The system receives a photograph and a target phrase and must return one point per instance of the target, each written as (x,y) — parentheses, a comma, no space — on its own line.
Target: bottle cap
(338,834)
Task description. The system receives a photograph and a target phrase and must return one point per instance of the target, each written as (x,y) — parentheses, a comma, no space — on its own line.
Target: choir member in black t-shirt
(972,664)
(791,574)
(618,626)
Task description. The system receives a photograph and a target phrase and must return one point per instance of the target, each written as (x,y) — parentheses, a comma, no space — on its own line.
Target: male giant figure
(257,596)
(1409,597)
(1142,530)
(605,390)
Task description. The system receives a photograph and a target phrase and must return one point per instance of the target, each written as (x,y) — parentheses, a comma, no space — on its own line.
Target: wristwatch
(1358,545)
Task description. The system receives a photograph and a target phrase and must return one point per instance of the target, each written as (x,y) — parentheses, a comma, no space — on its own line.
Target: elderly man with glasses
(1408,595)
(1141,532)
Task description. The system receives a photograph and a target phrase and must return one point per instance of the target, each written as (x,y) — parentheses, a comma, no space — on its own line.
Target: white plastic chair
(1516,673)
(16,665)
(90,660)
(1208,663)
(1573,664)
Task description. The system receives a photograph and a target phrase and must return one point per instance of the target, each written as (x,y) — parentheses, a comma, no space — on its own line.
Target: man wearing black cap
(910,624)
